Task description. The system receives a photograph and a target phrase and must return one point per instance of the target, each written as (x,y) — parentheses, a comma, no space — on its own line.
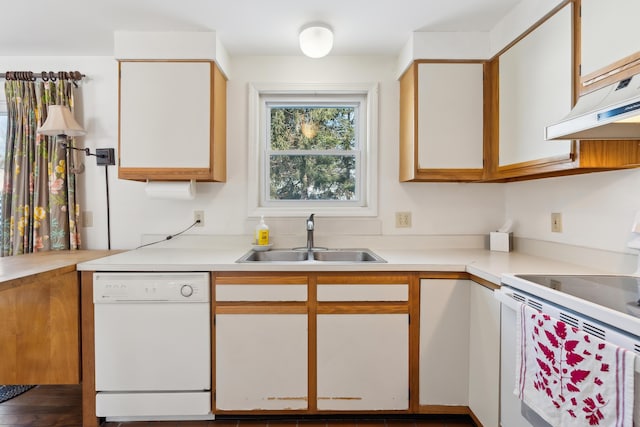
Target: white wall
(438,209)
(598,209)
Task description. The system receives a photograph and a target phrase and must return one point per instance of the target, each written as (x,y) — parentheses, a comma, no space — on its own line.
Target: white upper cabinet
(536,89)
(450,105)
(442,121)
(172,119)
(610,32)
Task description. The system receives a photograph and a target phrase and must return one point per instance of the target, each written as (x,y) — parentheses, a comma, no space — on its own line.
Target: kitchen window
(315,151)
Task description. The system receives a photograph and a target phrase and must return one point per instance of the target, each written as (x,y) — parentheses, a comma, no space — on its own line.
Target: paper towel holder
(171,190)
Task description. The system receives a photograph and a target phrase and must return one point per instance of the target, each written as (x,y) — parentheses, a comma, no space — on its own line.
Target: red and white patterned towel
(569,377)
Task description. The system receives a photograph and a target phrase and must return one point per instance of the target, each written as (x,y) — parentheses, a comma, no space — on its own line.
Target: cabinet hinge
(409,318)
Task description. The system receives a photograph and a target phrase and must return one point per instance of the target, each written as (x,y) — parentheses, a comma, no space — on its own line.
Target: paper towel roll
(172,190)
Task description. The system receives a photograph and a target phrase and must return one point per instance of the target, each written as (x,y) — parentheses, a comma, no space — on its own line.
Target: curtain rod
(44,75)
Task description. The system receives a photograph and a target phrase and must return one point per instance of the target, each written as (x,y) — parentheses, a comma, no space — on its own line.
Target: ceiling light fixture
(316,40)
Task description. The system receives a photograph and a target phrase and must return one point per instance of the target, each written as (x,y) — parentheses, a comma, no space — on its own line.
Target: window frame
(260,95)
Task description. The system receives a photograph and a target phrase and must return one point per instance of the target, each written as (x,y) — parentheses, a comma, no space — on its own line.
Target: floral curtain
(39,207)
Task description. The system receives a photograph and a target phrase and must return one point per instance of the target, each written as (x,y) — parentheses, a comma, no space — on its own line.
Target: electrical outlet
(198,216)
(556,222)
(403,219)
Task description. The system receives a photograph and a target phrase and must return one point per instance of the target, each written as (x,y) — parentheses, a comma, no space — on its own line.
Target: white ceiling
(245,27)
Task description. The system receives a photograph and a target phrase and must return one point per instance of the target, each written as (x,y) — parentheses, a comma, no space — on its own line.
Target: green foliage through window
(313,152)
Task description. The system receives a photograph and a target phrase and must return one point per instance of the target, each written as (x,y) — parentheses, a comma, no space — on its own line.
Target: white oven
(152,346)
(567,298)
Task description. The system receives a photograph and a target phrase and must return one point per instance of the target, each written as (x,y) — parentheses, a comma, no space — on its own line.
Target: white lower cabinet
(350,345)
(261,362)
(460,347)
(484,356)
(444,342)
(363,361)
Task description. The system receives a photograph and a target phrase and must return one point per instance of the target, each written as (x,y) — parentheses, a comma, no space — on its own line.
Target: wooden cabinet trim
(408,123)
(619,70)
(260,308)
(362,308)
(443,275)
(241,279)
(89,418)
(448,175)
(485,283)
(362,279)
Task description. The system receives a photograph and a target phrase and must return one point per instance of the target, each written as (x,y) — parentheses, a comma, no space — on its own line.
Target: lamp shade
(316,41)
(60,121)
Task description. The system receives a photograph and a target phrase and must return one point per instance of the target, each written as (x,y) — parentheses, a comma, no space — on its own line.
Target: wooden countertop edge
(22,269)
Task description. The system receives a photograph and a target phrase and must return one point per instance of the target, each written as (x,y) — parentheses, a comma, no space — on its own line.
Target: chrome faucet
(310,227)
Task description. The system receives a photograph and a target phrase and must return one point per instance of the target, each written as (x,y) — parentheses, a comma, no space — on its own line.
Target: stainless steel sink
(347,255)
(276,255)
(315,255)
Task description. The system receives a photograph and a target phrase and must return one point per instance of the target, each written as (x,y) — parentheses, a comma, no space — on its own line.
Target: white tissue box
(499,241)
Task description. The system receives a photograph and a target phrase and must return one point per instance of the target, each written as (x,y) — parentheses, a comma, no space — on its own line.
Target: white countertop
(485,264)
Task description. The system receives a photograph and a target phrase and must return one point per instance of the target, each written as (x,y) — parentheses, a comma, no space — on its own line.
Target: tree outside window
(313,153)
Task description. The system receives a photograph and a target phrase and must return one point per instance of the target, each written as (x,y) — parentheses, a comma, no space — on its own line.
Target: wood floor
(60,406)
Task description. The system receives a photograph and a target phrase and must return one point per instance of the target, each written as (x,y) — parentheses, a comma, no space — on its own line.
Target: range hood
(611,112)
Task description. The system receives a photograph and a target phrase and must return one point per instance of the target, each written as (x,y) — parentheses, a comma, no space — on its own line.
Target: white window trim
(256,167)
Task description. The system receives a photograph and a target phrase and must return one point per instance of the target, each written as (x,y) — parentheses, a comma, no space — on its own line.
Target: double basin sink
(305,255)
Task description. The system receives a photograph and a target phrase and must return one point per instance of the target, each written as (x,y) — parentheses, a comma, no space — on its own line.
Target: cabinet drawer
(363,292)
(261,292)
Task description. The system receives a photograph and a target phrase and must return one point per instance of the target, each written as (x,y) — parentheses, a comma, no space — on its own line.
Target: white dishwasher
(152,346)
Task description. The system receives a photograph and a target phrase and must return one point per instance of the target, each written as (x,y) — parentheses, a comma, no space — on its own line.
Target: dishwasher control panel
(150,287)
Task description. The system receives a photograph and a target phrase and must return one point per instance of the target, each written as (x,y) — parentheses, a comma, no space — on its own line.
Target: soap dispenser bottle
(262,233)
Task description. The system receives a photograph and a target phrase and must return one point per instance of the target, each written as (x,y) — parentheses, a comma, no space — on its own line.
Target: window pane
(313,128)
(312,177)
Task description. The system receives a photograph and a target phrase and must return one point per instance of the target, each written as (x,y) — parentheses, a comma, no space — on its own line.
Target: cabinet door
(39,336)
(362,361)
(609,33)
(261,361)
(484,355)
(535,89)
(441,110)
(172,121)
(444,342)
